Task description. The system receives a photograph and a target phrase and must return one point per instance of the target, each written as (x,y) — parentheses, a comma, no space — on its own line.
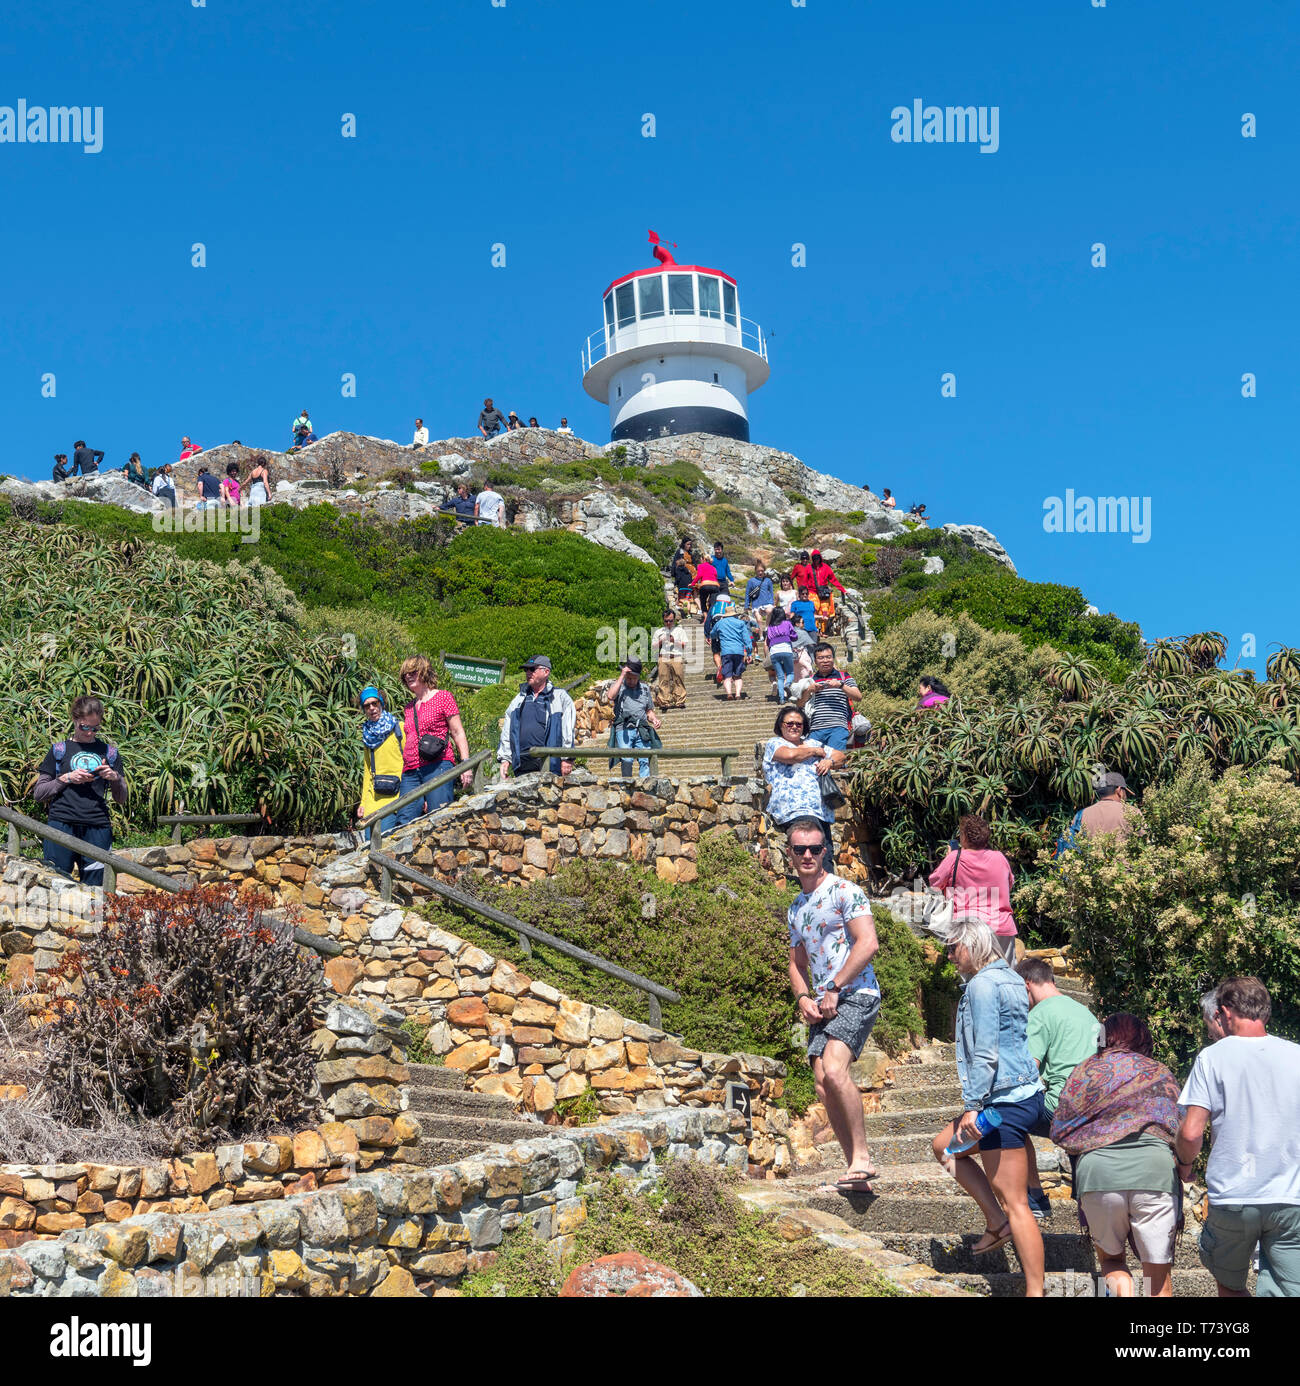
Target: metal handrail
(115,865)
(654,992)
(180,820)
(726,754)
(745,332)
(414,795)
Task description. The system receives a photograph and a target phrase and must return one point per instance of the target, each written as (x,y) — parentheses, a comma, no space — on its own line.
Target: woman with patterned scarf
(1117,1118)
(381,735)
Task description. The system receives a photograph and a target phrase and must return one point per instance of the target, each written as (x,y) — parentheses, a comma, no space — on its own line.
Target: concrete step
(915,1181)
(436,1076)
(912,1121)
(427,1103)
(888,1150)
(1187,1284)
(946,1095)
(440,1126)
(951,1251)
(943,1215)
(933,1075)
(447,1152)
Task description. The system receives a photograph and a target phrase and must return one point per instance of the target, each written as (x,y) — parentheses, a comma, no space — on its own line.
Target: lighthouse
(674,354)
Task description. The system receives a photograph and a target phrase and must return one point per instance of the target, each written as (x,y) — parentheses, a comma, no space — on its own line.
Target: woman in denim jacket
(996,1071)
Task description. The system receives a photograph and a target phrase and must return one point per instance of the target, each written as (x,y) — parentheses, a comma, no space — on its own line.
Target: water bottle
(986,1121)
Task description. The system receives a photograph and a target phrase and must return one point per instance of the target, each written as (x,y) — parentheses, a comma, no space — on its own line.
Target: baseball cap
(1114,780)
(538,662)
(632,665)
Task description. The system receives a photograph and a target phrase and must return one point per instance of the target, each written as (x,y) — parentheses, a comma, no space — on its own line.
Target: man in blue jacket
(539,715)
(725,576)
(735,645)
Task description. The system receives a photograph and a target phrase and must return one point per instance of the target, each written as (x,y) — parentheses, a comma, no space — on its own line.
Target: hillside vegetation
(1028,764)
(230,671)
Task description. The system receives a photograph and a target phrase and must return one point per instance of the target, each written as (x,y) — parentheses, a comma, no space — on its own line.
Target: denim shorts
(1020,1120)
(733,666)
(851,1024)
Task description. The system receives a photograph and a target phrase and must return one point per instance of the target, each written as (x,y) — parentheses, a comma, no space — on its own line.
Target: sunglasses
(807,851)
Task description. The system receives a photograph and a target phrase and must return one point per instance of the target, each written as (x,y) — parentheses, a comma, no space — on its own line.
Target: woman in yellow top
(381,734)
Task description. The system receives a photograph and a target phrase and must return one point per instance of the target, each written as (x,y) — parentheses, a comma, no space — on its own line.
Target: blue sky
(522,125)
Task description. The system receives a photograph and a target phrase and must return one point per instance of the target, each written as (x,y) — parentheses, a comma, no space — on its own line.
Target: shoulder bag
(939,908)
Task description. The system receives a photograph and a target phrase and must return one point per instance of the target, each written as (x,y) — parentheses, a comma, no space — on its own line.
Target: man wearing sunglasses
(832,942)
(75,779)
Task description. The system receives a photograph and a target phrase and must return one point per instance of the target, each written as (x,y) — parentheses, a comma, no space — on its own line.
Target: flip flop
(1001,1236)
(851,1185)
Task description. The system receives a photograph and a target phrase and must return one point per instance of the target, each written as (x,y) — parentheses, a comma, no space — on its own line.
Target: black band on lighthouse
(659,423)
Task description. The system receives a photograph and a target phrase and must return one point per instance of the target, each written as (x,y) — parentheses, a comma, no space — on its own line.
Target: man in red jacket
(823,574)
(802,575)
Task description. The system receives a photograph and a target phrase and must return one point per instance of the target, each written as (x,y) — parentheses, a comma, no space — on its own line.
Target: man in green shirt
(1062,1033)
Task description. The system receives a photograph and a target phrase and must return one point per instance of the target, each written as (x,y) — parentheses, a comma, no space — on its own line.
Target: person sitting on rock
(188,450)
(85,460)
(135,471)
(60,466)
(302,430)
(513,425)
(564,427)
(889,502)
(421,438)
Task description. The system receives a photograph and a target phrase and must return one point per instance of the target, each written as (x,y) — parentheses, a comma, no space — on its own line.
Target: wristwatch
(833,988)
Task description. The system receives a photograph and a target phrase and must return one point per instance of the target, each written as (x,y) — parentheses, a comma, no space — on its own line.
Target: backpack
(1066,842)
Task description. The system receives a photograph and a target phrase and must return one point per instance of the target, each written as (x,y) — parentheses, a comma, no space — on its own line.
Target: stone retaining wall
(361,1073)
(397,1232)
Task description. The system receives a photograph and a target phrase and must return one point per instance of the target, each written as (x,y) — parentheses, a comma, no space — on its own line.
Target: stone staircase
(458,1124)
(707,720)
(920,1217)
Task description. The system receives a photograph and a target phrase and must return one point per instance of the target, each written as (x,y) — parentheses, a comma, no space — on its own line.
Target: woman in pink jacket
(980,878)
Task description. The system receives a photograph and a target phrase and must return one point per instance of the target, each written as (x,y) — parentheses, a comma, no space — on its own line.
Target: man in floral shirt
(832,942)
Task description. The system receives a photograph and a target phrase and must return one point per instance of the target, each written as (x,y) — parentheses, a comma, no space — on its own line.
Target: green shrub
(659,543)
(724,522)
(731,970)
(1206,888)
(693,1223)
(417,1043)
(680,484)
(979,666)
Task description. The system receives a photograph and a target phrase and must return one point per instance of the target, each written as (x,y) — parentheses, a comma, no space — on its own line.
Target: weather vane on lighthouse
(674,355)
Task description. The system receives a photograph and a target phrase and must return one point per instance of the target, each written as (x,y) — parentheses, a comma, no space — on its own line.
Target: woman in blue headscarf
(381,735)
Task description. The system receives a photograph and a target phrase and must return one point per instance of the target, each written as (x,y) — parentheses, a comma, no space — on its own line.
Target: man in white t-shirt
(1247,1086)
(421,438)
(490,508)
(832,942)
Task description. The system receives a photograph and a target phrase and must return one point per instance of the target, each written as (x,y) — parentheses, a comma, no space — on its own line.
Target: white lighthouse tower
(674,355)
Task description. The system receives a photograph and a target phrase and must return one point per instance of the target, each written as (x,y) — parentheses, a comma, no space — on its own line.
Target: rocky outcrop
(982,541)
(762,478)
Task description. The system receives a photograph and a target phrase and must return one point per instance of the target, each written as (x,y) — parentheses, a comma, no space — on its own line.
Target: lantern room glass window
(625,303)
(650,291)
(609,312)
(710,299)
(729,302)
(681,293)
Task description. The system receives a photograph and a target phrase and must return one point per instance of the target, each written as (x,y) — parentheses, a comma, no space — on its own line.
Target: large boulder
(628,1275)
(982,541)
